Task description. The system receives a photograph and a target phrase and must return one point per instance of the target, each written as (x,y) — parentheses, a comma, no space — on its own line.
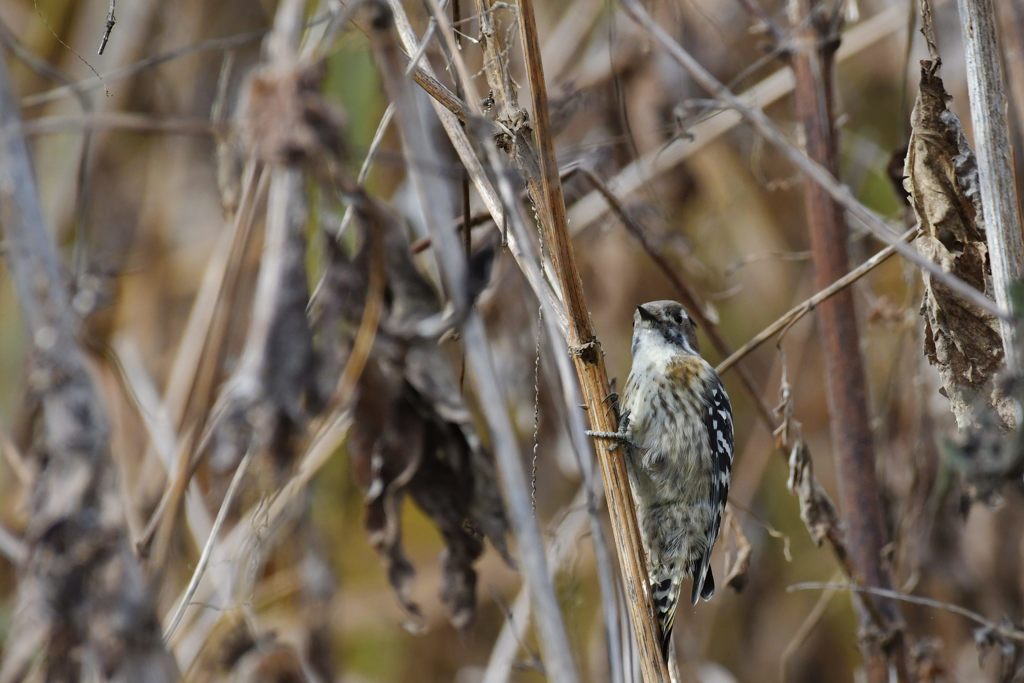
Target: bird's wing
(718,420)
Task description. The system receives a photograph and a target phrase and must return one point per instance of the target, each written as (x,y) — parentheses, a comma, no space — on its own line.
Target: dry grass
(236,405)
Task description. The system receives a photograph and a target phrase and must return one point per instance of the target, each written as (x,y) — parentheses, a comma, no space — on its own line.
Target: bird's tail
(665,586)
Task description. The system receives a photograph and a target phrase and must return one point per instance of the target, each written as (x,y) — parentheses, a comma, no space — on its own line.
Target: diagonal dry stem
(452,265)
(772,88)
(809,304)
(839,192)
(586,352)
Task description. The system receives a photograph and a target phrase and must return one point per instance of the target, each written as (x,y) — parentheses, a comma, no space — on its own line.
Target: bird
(676,429)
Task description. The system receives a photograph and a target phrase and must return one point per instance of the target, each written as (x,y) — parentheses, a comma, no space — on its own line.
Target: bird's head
(664,323)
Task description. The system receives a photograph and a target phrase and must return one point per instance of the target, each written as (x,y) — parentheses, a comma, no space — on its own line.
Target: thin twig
(808,626)
(109,27)
(120,74)
(815,171)
(641,172)
(809,304)
(204,557)
(133,122)
(12,547)
(141,389)
(1002,629)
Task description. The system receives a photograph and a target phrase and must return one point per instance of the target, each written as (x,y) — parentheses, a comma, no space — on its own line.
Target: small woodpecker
(677,433)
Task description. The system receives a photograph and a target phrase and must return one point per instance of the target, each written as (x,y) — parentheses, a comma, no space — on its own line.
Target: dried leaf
(1011,657)
(942,179)
(737,562)
(414,435)
(926,659)
(816,509)
(285,119)
(988,455)
(274,388)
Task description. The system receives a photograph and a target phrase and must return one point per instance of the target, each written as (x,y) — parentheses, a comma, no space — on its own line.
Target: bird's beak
(646,315)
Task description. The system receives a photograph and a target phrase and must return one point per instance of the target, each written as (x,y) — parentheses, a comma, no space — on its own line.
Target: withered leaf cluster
(413,434)
(962,342)
(942,179)
(286,119)
(287,123)
(817,510)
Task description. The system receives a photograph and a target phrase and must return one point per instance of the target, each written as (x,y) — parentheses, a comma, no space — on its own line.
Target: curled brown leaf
(737,561)
(285,119)
(414,435)
(960,340)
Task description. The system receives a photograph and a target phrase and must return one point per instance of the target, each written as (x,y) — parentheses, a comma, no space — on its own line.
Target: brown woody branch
(589,361)
(845,380)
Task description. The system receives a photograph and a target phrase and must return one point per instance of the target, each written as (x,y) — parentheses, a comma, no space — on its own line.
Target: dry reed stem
(589,360)
(452,264)
(1005,628)
(987,90)
(76,527)
(207,548)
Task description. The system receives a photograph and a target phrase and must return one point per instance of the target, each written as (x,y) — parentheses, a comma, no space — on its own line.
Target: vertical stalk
(555,645)
(987,90)
(82,595)
(589,361)
(845,382)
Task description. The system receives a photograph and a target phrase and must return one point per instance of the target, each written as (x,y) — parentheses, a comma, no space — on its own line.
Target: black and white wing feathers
(718,422)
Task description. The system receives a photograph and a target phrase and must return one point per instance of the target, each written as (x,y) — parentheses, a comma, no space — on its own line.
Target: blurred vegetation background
(134,191)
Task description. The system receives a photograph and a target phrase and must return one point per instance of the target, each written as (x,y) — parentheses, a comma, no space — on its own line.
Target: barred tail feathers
(665,588)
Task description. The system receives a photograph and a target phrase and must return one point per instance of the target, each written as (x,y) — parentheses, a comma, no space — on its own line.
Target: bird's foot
(618,439)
